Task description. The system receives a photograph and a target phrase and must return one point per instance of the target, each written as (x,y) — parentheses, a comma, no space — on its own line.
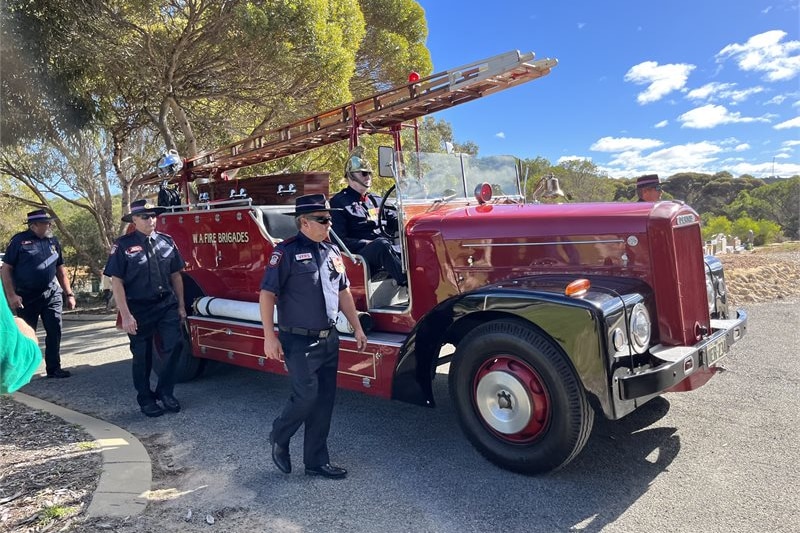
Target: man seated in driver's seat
(356,223)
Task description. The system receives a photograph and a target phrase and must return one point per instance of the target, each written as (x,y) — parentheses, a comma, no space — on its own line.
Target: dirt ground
(766,274)
(48,468)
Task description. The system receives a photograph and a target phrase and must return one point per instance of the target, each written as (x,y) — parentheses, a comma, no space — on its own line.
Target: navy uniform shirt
(357,222)
(306,278)
(128,261)
(34,261)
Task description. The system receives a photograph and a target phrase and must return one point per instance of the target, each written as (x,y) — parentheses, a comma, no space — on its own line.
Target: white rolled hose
(223,308)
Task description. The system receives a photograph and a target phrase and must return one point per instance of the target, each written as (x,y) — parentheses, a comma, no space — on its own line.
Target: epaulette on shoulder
(290,240)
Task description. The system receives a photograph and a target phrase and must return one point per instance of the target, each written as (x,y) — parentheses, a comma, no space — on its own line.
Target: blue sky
(641,86)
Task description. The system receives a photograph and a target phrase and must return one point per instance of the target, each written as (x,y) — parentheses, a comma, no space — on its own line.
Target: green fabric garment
(19,355)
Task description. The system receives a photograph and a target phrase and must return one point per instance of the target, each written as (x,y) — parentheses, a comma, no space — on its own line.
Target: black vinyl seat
(279,225)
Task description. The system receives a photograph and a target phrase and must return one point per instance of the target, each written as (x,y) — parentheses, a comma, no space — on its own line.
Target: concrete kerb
(126,477)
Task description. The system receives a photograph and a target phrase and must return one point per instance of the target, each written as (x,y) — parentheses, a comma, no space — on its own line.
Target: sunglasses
(320,220)
(147,216)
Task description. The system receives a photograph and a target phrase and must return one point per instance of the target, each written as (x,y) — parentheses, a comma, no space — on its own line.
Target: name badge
(303,257)
(133,250)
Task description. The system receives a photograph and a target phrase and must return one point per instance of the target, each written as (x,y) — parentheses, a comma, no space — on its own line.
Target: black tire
(187,368)
(519,401)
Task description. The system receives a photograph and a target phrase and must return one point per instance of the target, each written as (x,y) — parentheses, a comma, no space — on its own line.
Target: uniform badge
(133,250)
(303,257)
(337,264)
(23,243)
(113,249)
(373,213)
(275,258)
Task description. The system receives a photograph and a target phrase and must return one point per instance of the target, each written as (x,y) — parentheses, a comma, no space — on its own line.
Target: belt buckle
(324,333)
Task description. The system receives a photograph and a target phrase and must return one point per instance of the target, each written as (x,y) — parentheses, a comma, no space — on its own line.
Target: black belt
(316,333)
(151,301)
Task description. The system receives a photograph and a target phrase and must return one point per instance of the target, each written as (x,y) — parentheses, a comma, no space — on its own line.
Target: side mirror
(386,161)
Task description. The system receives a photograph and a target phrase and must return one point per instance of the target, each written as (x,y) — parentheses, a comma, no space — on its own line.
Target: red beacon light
(483,192)
(413,77)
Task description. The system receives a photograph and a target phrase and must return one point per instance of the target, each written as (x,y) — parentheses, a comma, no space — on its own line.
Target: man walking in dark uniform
(145,269)
(355,220)
(306,278)
(35,282)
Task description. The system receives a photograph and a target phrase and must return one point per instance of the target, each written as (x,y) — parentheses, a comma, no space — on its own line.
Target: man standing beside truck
(648,188)
(306,279)
(145,269)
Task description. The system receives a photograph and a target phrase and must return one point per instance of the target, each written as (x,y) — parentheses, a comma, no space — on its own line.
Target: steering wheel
(386,206)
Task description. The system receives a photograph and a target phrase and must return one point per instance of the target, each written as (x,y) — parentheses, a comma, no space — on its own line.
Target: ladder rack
(379,112)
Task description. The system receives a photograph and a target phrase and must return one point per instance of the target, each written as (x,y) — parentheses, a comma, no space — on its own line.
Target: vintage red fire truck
(544,313)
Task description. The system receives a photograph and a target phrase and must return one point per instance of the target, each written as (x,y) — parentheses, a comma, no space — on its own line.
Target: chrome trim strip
(475,244)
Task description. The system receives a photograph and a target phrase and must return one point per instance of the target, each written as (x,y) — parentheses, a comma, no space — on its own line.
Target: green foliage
(763,231)
(714,225)
(41,83)
(778,202)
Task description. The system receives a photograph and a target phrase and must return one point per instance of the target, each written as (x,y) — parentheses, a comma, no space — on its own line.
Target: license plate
(716,350)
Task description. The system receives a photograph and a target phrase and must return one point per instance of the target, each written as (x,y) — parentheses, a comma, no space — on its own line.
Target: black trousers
(165,322)
(47,305)
(312,365)
(381,256)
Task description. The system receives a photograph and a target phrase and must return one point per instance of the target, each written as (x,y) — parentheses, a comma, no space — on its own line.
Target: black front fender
(575,324)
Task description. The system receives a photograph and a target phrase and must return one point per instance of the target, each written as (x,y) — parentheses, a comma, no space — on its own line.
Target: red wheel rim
(511,399)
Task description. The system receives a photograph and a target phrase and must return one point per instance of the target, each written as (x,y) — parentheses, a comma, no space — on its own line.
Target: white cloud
(722,91)
(572,158)
(710,116)
(581,25)
(708,90)
(782,156)
(777,100)
(741,147)
(791,123)
(500,135)
(660,79)
(621,144)
(766,53)
(790,144)
(662,124)
(691,157)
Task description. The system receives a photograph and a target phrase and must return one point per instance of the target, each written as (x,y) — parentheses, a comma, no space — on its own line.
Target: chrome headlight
(640,328)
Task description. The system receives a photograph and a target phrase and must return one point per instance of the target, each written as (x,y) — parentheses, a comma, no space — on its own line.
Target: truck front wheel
(519,400)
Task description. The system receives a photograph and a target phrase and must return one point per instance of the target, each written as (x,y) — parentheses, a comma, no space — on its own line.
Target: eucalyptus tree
(183,74)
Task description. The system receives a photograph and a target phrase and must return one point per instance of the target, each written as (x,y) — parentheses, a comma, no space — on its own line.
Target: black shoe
(170,403)
(327,470)
(280,456)
(59,374)
(152,409)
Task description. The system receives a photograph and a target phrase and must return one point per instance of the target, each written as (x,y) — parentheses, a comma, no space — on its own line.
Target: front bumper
(679,362)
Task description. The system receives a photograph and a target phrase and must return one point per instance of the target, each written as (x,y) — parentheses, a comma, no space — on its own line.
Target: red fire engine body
(550,311)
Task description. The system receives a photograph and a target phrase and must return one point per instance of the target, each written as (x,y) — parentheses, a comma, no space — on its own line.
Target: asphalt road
(723,458)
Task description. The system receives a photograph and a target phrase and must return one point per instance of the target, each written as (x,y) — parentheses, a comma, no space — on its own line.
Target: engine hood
(532,221)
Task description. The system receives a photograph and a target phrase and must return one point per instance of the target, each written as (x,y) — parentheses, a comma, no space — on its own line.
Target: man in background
(36,283)
(648,188)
